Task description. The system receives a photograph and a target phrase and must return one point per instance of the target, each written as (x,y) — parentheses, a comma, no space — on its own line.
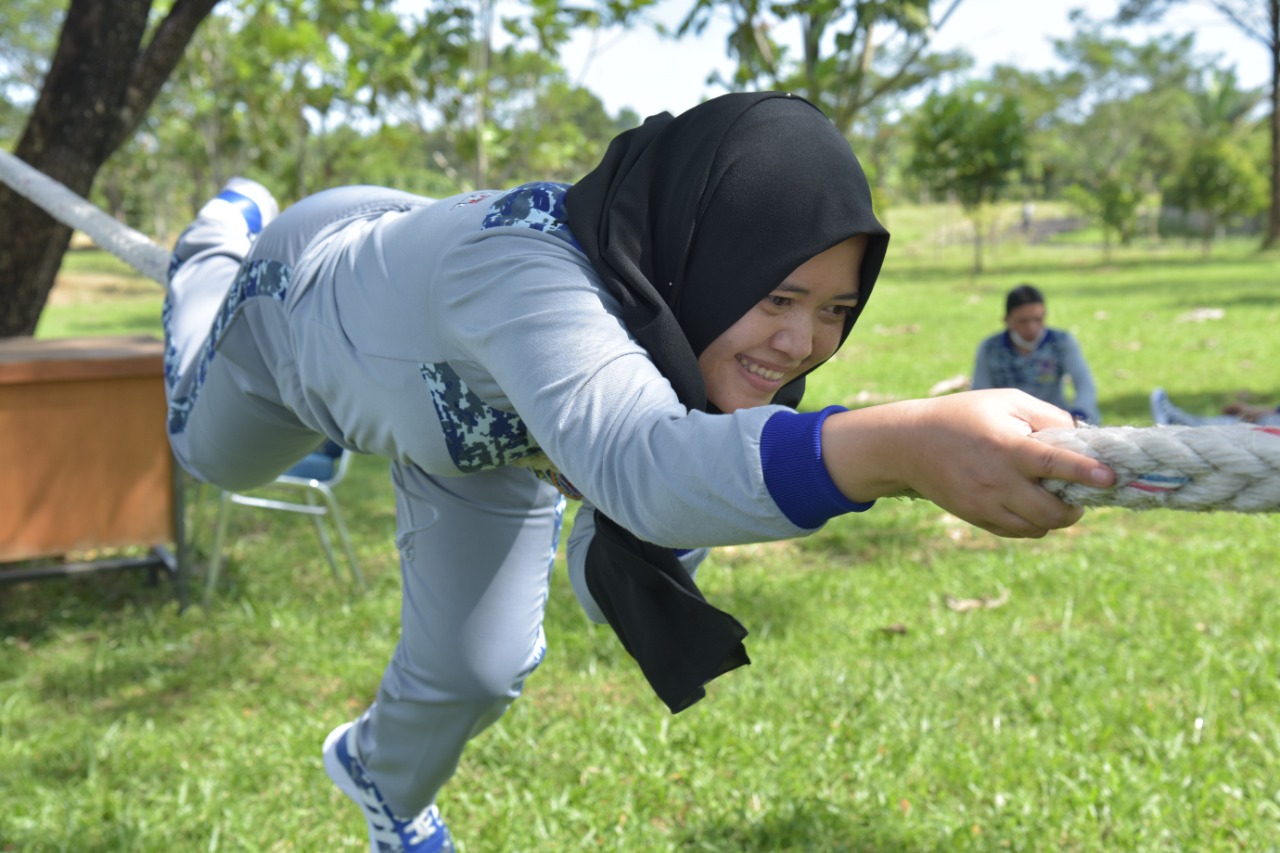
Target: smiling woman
(788,333)
(638,341)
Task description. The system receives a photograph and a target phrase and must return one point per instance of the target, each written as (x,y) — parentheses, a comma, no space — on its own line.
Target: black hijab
(690,222)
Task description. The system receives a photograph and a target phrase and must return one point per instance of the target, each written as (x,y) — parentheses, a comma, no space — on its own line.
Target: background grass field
(1123,697)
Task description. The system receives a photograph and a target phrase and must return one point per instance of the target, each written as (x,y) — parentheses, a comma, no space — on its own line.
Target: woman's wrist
(863,449)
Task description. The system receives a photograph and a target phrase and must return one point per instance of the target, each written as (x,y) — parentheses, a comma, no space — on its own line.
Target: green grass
(1125,697)
(101,295)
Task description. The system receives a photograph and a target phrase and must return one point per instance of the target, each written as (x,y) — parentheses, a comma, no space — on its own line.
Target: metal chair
(316,475)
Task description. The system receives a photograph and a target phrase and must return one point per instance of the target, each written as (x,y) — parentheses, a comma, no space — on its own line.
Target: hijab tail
(679,640)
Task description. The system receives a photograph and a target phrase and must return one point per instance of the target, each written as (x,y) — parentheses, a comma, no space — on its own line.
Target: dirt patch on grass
(82,288)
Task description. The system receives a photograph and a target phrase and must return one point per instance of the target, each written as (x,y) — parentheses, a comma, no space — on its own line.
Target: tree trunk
(977,247)
(1273,219)
(979,217)
(101,81)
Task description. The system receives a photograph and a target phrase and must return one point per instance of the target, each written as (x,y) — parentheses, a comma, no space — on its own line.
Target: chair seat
(314,477)
(316,466)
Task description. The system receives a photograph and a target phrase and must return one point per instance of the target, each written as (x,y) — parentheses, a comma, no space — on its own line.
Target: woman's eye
(778,301)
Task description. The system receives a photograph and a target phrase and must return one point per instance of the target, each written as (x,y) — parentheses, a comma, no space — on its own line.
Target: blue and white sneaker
(251,201)
(425,833)
(1165,413)
(242,208)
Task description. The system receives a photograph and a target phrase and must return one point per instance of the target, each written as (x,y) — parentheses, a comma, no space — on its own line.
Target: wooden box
(84,458)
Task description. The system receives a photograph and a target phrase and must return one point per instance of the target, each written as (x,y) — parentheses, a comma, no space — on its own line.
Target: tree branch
(157,61)
(889,82)
(1257,29)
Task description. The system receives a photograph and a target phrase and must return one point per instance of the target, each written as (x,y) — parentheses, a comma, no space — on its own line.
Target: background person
(1030,356)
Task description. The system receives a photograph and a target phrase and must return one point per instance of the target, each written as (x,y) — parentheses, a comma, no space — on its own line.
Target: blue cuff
(797,479)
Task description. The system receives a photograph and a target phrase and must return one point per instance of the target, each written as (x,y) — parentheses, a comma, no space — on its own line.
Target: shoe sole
(333,767)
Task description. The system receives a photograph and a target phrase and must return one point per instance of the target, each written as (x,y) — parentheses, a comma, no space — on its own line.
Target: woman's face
(1026,320)
(793,329)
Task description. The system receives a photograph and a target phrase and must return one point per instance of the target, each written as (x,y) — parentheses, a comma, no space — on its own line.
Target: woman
(1032,357)
(626,341)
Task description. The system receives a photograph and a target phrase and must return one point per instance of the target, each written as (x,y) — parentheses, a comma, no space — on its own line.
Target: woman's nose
(794,339)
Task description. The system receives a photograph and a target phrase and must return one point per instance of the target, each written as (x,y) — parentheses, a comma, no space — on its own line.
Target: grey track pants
(475,551)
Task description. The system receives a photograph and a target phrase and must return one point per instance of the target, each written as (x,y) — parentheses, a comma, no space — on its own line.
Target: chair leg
(338,522)
(325,542)
(194,508)
(215,552)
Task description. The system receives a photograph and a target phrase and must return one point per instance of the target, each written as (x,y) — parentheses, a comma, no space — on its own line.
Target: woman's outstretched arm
(972,454)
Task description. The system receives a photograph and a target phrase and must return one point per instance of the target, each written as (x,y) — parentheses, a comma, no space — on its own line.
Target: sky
(638,69)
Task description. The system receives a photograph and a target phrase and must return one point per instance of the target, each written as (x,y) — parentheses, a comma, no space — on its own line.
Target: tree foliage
(1260,21)
(1112,202)
(28,34)
(850,55)
(968,144)
(303,94)
(1220,182)
(1123,123)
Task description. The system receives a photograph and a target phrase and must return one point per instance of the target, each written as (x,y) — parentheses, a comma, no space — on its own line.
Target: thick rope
(1234,468)
(133,247)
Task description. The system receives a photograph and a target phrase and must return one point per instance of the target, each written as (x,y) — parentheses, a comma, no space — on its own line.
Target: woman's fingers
(1057,463)
(1002,493)
(1036,509)
(1018,508)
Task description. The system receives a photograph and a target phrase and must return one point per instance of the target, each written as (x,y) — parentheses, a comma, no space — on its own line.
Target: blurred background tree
(1259,20)
(969,144)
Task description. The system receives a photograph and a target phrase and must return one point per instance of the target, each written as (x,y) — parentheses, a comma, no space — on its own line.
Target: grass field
(1124,696)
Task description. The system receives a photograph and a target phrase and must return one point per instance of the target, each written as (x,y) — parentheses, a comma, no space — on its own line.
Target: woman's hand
(969,453)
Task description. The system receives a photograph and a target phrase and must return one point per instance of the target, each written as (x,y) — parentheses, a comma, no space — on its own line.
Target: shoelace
(422,827)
